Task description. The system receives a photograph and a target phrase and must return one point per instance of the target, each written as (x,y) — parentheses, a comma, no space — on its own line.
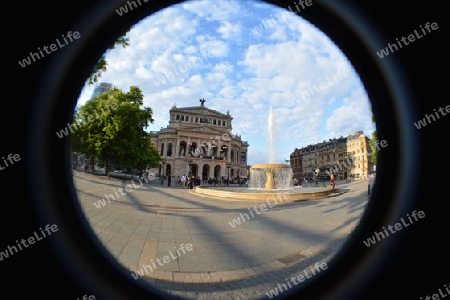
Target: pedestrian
(169,180)
(192,182)
(333,180)
(183,180)
(188,182)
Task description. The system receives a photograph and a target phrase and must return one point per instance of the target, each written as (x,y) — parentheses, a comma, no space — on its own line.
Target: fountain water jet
(271,175)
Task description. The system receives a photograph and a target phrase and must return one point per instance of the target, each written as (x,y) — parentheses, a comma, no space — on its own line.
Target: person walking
(183,181)
(192,182)
(333,180)
(369,188)
(169,180)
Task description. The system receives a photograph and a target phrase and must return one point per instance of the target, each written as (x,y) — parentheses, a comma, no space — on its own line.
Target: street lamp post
(228,175)
(163,163)
(224,152)
(189,162)
(109,153)
(163,167)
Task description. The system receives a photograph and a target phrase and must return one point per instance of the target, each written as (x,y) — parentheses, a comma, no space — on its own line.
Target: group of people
(304,181)
(189,182)
(192,181)
(300,181)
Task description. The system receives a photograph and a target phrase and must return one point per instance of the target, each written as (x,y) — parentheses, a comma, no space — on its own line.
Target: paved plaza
(145,224)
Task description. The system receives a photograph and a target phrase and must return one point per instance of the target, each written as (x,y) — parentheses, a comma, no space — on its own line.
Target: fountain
(271,175)
(268,179)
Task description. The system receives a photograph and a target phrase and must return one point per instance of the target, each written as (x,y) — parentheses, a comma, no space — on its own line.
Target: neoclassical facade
(198,141)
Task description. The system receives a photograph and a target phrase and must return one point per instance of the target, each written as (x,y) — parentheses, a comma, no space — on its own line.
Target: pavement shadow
(258,282)
(238,257)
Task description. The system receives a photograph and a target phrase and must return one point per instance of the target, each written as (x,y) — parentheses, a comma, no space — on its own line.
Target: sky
(246,57)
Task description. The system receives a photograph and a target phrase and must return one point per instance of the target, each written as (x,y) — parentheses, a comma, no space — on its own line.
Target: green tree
(111,128)
(102,63)
(374,149)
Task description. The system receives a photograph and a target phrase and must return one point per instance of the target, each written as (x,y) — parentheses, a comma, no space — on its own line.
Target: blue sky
(245,57)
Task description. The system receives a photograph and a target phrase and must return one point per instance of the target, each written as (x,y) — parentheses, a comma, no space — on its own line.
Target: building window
(177,117)
(196,119)
(182,118)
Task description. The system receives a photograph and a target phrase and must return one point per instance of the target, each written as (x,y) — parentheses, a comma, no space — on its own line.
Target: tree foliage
(374,152)
(111,128)
(102,63)
(374,149)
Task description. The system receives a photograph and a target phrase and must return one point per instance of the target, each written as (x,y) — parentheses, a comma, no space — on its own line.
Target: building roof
(201,110)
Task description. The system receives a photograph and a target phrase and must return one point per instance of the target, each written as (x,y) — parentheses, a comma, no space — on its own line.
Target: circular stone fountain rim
(267,166)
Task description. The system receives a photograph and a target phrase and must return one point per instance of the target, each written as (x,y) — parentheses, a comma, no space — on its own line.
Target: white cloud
(351,116)
(233,69)
(229,30)
(217,10)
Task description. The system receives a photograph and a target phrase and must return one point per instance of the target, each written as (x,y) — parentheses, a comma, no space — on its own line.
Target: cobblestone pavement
(144,225)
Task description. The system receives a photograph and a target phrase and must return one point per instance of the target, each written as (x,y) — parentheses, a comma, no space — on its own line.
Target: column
(177,146)
(187,145)
(165,148)
(239,156)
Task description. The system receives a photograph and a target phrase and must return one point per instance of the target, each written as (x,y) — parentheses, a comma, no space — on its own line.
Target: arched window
(183,146)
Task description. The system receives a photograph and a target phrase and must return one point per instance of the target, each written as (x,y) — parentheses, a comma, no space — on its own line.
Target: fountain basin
(271,176)
(262,195)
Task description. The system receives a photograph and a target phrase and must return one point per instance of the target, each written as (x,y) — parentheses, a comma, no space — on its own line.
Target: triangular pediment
(199,110)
